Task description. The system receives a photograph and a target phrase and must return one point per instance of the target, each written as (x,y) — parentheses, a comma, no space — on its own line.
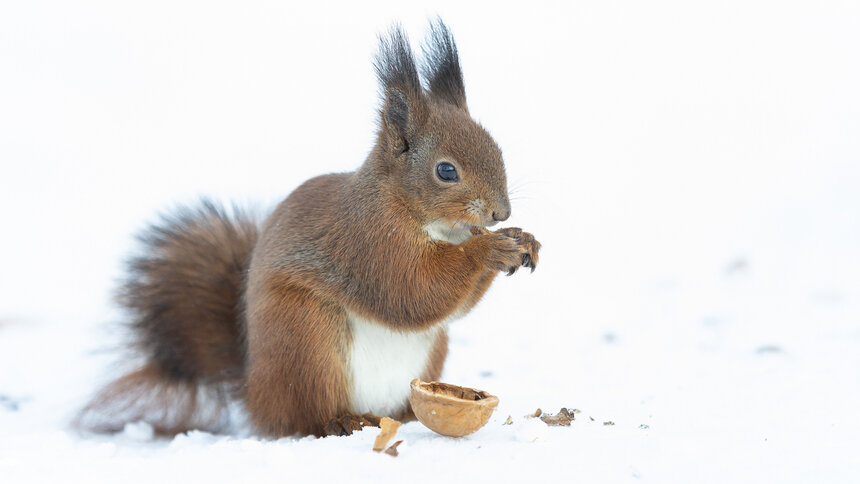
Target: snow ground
(691,170)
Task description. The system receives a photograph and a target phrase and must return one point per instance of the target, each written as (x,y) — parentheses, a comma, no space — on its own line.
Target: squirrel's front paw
(503,253)
(527,243)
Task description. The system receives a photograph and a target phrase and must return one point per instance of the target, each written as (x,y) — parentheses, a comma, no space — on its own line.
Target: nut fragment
(392,451)
(389,429)
(509,421)
(536,413)
(563,417)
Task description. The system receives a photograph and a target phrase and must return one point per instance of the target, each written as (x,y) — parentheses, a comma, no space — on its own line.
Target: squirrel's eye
(447,172)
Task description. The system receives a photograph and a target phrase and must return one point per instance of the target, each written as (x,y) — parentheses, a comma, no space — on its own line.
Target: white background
(691,170)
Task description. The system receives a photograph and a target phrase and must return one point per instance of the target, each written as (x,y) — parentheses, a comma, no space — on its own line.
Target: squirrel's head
(446,167)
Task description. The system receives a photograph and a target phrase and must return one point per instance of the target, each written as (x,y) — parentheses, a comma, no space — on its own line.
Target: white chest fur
(449,233)
(382,363)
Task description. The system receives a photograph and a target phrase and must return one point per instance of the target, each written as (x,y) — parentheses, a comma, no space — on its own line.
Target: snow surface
(690,169)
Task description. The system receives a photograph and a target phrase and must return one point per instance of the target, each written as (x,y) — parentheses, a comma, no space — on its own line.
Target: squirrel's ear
(404,109)
(402,113)
(441,66)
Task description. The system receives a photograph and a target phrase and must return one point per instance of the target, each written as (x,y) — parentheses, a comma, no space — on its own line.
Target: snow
(691,171)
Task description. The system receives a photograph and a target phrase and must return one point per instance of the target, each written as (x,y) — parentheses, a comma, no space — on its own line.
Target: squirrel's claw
(529,262)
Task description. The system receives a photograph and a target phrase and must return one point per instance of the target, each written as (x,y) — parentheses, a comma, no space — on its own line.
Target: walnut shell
(451,410)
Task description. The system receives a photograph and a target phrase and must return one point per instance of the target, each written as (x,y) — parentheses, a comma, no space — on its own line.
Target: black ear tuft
(395,64)
(441,67)
(403,107)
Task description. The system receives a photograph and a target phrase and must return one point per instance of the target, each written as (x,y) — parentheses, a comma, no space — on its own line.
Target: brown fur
(340,245)
(170,406)
(184,294)
(185,291)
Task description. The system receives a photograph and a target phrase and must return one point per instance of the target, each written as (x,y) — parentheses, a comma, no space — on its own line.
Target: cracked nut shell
(451,410)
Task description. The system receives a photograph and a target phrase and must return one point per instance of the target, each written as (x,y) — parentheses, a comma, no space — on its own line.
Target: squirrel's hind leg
(295,374)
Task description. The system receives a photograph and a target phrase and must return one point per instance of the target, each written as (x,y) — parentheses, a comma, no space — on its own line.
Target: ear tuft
(395,64)
(441,66)
(404,106)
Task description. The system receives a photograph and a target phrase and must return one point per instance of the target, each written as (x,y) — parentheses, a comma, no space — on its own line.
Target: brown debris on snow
(536,413)
(392,451)
(389,428)
(563,417)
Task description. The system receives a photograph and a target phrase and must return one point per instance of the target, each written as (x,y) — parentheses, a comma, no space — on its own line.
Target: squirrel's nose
(501,215)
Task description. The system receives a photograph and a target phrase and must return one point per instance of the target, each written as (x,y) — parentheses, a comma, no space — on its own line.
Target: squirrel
(318,320)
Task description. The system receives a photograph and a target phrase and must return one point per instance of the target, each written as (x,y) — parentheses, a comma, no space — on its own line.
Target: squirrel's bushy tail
(184,293)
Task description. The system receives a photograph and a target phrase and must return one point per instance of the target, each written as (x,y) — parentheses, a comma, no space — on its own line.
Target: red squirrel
(319,320)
